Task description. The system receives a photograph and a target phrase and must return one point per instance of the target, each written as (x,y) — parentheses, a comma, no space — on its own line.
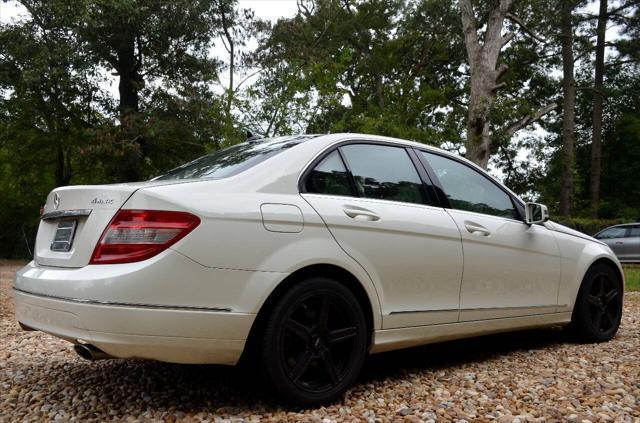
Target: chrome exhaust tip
(89,352)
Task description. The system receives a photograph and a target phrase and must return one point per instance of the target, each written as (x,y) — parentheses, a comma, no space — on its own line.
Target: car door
(616,238)
(632,244)
(377,207)
(510,268)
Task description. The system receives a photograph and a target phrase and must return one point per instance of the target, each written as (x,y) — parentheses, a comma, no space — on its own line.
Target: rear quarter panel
(233,234)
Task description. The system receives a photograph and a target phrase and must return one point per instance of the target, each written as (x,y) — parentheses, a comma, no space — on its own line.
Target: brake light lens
(136,235)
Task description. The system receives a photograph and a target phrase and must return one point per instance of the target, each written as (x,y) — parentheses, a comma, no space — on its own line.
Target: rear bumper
(158,333)
(167,308)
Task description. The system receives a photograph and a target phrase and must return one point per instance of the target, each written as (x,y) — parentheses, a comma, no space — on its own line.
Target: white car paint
(426,278)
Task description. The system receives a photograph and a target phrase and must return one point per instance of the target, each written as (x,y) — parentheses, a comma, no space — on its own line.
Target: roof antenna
(251,137)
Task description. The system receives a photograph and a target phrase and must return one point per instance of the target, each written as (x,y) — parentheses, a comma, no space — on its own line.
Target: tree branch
(469,28)
(502,69)
(522,26)
(593,90)
(303,9)
(530,118)
(498,86)
(510,167)
(138,64)
(622,62)
(246,79)
(506,38)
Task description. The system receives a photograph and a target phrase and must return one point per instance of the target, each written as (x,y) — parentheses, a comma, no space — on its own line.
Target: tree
(49,103)
(628,53)
(145,43)
(58,123)
(485,78)
(620,191)
(568,106)
(598,99)
(385,67)
(236,27)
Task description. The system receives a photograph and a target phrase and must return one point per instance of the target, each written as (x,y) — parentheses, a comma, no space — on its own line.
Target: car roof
(315,144)
(621,225)
(330,139)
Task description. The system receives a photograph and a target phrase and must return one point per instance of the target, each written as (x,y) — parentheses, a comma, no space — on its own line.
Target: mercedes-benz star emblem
(56,200)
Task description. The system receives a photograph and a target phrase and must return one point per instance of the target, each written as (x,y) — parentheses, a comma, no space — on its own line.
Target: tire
(314,342)
(598,309)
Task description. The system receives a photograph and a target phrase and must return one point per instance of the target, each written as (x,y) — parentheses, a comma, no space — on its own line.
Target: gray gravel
(527,376)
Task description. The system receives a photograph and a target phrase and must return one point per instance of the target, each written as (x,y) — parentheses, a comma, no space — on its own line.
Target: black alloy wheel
(598,308)
(315,342)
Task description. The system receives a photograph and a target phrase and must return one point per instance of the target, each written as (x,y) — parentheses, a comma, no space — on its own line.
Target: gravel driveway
(526,376)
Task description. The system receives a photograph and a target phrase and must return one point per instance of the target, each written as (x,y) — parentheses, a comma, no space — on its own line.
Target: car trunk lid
(73,220)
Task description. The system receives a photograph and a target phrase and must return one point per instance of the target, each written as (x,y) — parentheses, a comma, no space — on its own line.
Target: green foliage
(620,190)
(383,67)
(387,67)
(632,278)
(590,226)
(59,126)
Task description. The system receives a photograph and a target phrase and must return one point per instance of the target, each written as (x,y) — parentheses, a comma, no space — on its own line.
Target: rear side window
(233,160)
(618,232)
(329,177)
(384,172)
(469,190)
(634,232)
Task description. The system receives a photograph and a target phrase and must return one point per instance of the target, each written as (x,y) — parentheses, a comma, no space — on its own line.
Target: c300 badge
(102,201)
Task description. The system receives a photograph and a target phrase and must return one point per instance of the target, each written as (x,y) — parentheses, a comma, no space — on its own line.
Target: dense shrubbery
(590,226)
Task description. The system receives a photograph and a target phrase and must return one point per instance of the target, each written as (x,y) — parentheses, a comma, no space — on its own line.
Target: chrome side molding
(119,304)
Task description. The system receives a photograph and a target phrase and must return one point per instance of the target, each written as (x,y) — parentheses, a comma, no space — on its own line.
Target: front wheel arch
(582,307)
(607,262)
(611,264)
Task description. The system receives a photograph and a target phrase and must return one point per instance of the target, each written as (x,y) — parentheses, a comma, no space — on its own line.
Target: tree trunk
(478,122)
(63,168)
(380,91)
(232,58)
(568,107)
(128,86)
(596,137)
(483,59)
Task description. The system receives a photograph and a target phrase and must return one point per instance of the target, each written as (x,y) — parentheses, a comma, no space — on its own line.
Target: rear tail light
(136,235)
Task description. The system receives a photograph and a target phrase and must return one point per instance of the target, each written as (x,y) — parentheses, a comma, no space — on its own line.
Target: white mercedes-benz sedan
(306,253)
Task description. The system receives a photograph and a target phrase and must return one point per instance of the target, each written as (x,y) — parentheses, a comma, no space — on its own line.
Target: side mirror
(535,213)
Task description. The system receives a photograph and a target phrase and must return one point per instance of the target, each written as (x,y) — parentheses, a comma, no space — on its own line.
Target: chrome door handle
(476,229)
(619,243)
(360,214)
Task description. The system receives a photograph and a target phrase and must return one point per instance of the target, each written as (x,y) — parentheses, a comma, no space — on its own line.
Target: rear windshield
(232,160)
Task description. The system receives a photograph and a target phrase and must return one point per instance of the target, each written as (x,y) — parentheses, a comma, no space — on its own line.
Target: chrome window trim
(508,219)
(335,146)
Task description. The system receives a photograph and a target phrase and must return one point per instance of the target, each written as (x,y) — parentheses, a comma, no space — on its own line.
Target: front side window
(384,172)
(329,177)
(469,190)
(618,232)
(232,160)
